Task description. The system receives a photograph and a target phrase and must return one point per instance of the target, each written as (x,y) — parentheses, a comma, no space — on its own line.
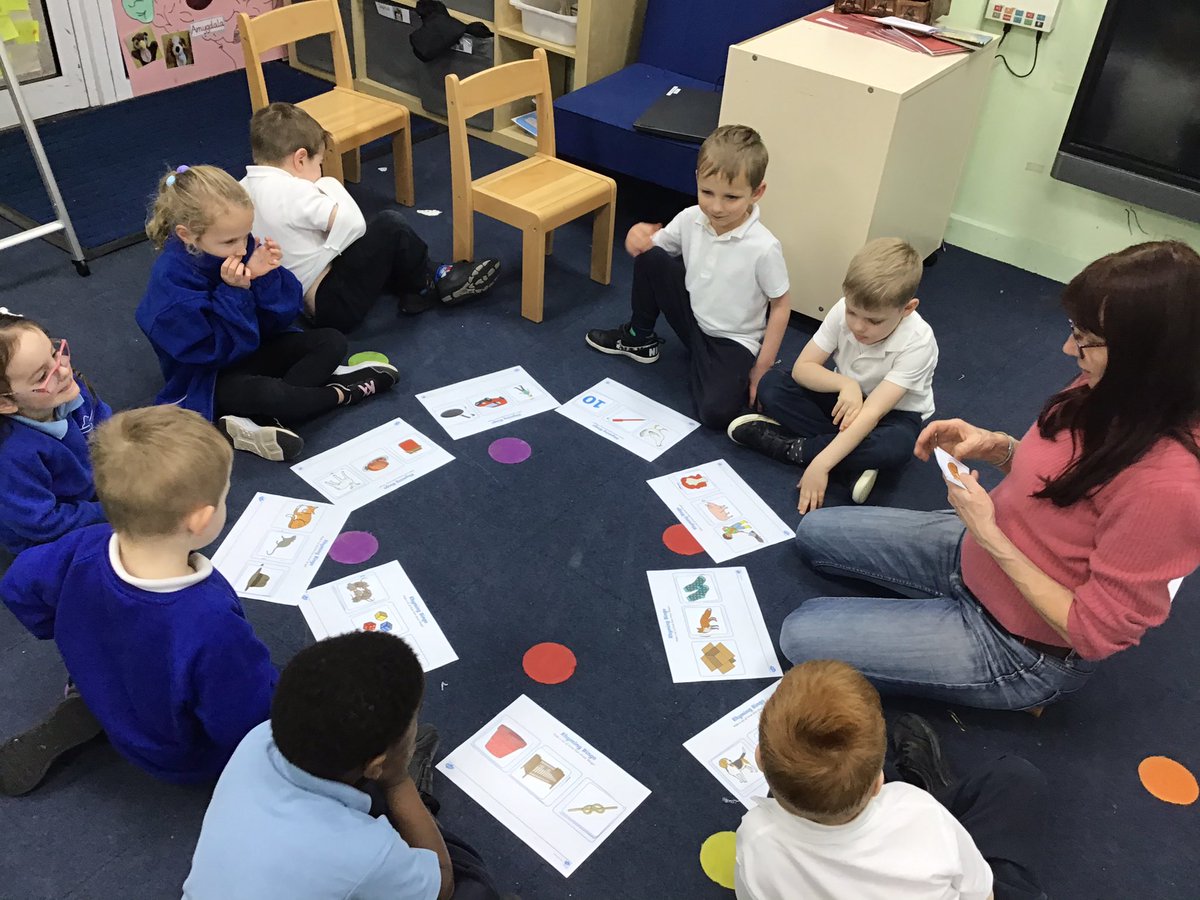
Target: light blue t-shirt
(275,831)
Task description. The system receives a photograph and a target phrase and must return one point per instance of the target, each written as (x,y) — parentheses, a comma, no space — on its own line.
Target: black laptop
(685,114)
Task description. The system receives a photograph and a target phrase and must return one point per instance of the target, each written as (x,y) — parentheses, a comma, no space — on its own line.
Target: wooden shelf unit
(608,33)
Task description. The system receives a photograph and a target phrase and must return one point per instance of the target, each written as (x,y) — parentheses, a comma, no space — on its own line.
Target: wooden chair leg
(602,243)
(352,165)
(333,167)
(464,230)
(549,242)
(402,163)
(533,273)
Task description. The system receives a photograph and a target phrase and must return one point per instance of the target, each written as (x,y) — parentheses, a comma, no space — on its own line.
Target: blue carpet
(108,160)
(557,549)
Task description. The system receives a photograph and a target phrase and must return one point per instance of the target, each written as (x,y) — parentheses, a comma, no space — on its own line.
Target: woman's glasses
(1079,341)
(60,360)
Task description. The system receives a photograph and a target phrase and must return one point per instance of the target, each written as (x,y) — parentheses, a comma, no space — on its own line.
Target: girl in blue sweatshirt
(220,314)
(46,487)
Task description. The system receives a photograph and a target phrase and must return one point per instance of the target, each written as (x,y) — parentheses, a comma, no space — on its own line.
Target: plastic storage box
(540,19)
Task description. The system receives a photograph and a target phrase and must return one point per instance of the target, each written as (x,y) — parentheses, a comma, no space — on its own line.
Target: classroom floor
(556,549)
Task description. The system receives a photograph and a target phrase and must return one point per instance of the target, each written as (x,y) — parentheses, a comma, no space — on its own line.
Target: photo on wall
(177,49)
(143,47)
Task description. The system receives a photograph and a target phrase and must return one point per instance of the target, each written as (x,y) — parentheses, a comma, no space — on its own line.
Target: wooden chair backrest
(492,88)
(286,25)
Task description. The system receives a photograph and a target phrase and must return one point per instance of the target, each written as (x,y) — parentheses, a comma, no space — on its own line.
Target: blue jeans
(936,641)
(809,414)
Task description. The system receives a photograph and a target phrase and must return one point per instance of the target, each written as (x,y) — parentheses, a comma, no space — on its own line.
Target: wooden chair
(537,194)
(353,118)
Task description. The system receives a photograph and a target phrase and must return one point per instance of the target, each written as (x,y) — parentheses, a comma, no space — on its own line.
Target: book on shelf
(527,122)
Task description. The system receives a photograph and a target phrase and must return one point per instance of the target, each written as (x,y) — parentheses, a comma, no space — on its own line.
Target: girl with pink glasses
(48,411)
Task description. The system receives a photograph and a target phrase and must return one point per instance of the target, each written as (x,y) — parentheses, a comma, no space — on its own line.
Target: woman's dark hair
(344,701)
(1144,303)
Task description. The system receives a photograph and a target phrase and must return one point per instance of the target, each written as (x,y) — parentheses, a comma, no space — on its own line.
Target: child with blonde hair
(718,277)
(154,637)
(48,410)
(864,415)
(220,313)
(833,828)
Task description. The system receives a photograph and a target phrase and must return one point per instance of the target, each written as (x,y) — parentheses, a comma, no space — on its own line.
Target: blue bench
(685,43)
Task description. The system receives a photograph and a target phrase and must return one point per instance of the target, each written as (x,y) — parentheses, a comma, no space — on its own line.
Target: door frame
(89,34)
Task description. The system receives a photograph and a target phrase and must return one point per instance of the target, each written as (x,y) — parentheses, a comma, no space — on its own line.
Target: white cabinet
(866,140)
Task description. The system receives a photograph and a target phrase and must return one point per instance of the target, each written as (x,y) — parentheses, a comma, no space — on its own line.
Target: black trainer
(459,281)
(271,441)
(420,767)
(25,760)
(622,342)
(918,754)
(364,380)
(768,437)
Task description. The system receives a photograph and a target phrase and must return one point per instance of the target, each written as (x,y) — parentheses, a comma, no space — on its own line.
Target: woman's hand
(962,440)
(973,506)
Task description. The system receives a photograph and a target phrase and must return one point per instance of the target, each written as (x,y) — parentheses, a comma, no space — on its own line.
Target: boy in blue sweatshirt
(46,487)
(155,639)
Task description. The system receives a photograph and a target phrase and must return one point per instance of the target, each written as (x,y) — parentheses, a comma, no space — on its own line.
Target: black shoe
(459,281)
(622,342)
(918,754)
(768,437)
(420,767)
(25,760)
(364,380)
(271,441)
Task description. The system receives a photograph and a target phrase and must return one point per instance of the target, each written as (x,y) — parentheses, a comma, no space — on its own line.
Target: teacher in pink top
(1009,600)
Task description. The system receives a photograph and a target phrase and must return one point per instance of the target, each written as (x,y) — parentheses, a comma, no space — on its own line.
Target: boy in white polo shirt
(718,276)
(832,829)
(864,415)
(342,261)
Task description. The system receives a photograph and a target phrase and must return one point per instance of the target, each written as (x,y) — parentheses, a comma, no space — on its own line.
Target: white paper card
(373,464)
(632,420)
(726,748)
(543,782)
(383,599)
(951,467)
(488,401)
(711,624)
(720,510)
(275,548)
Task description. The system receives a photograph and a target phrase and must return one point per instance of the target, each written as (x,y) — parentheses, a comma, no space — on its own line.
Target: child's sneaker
(273,441)
(918,754)
(768,437)
(363,381)
(862,487)
(25,760)
(420,767)
(622,341)
(459,281)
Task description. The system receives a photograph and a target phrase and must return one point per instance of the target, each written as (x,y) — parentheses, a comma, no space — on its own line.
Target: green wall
(1008,207)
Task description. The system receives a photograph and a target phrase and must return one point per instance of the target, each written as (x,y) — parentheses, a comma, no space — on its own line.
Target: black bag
(439,30)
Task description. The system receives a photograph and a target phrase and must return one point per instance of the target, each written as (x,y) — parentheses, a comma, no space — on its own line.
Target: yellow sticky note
(28,31)
(12,6)
(8,31)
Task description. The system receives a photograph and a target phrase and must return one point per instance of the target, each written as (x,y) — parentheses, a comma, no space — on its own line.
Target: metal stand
(63,222)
